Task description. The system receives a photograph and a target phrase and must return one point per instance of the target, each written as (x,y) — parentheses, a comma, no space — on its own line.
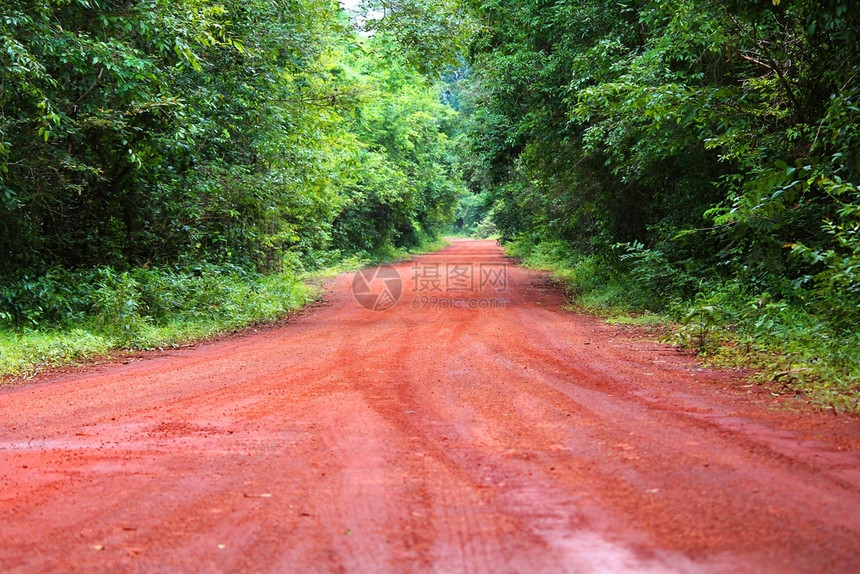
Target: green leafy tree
(407,185)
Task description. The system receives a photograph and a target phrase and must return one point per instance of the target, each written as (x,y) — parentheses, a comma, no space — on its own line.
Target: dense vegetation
(168,168)
(688,157)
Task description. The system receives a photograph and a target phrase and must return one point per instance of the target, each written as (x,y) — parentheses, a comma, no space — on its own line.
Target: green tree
(407,186)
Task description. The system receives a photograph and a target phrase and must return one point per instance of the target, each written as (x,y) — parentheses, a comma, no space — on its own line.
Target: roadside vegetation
(98,313)
(174,170)
(726,325)
(698,160)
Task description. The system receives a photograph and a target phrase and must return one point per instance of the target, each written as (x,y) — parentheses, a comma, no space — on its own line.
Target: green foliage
(402,187)
(789,342)
(117,306)
(835,290)
(165,162)
(161,131)
(23,353)
(145,309)
(154,308)
(486,228)
(704,154)
(122,303)
(729,326)
(656,275)
(168,170)
(430,34)
(472,211)
(699,327)
(591,280)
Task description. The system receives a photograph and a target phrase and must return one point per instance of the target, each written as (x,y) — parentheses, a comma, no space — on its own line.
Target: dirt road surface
(486,430)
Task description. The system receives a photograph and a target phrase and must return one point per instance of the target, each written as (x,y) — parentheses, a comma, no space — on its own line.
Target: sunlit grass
(637,319)
(239,304)
(23,354)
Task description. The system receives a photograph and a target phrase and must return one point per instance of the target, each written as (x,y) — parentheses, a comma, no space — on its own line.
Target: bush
(787,337)
(485,229)
(126,306)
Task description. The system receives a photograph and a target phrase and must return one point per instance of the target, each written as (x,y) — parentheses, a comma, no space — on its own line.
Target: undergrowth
(93,313)
(786,340)
(65,317)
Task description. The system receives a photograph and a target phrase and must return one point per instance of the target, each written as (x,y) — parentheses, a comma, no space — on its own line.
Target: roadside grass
(637,319)
(219,306)
(389,255)
(784,344)
(426,246)
(105,313)
(23,354)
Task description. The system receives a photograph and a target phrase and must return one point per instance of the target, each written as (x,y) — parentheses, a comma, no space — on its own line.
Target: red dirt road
(521,438)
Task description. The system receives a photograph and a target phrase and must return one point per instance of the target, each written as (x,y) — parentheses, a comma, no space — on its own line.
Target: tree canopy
(258,134)
(702,138)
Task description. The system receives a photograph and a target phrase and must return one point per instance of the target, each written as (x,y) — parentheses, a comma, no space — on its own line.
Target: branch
(91,88)
(755,61)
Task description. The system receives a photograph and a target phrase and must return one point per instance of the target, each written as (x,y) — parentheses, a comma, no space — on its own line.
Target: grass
(147,310)
(24,354)
(637,319)
(784,344)
(267,299)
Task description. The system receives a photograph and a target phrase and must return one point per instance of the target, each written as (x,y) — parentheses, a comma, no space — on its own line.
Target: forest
(170,169)
(695,159)
(175,169)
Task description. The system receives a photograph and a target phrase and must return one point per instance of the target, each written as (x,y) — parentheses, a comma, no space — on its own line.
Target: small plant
(117,305)
(698,328)
(836,286)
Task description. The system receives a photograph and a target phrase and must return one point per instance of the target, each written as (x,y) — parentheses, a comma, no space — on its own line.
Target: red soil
(516,439)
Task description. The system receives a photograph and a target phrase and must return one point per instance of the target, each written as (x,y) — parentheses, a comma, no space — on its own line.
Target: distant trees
(405,185)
